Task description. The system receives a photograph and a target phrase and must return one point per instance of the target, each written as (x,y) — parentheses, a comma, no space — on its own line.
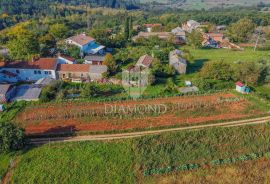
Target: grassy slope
(4,163)
(121,161)
(109,162)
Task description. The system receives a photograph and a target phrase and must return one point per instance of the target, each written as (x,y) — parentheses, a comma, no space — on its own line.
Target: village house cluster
(41,71)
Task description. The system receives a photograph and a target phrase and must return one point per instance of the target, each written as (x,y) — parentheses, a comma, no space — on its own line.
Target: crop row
(121,110)
(216,162)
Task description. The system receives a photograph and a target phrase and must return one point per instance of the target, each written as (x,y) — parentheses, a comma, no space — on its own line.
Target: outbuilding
(241,88)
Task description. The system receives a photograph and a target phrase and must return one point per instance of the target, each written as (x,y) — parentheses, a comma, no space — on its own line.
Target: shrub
(11,137)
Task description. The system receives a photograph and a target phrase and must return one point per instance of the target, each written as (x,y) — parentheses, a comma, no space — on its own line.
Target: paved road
(37,141)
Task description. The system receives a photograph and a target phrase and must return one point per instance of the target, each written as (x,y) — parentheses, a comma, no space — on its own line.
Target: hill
(206,4)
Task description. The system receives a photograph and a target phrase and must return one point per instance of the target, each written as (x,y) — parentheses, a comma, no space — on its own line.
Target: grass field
(205,4)
(124,161)
(204,55)
(109,162)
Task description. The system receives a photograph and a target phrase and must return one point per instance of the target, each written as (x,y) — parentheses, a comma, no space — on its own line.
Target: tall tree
(23,47)
(195,39)
(241,30)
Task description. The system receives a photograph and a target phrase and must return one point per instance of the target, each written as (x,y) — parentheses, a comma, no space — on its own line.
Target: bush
(12,138)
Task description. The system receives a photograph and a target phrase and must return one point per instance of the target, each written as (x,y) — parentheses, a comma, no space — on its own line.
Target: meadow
(200,56)
(124,161)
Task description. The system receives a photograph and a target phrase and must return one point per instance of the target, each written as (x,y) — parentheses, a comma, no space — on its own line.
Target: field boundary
(105,137)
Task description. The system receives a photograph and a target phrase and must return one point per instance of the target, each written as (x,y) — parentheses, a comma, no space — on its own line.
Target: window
(35,72)
(46,72)
(81,74)
(50,73)
(18,71)
(39,72)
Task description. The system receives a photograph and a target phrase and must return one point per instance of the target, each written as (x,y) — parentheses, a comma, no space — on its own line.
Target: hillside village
(128,91)
(94,69)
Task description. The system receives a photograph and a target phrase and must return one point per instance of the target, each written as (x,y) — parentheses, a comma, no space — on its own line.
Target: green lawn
(124,161)
(203,55)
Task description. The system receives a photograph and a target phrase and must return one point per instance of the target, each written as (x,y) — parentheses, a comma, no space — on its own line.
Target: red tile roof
(152,25)
(68,58)
(41,63)
(73,68)
(81,39)
(239,84)
(145,60)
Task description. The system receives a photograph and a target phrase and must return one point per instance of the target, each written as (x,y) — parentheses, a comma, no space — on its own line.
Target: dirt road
(37,141)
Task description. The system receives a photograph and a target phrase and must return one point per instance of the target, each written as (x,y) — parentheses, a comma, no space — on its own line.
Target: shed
(240,87)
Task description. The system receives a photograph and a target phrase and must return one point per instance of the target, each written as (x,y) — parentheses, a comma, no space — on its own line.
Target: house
(62,59)
(94,59)
(218,37)
(74,73)
(86,44)
(96,72)
(240,87)
(80,72)
(180,35)
(149,27)
(145,61)
(6,92)
(190,25)
(147,35)
(28,71)
(177,61)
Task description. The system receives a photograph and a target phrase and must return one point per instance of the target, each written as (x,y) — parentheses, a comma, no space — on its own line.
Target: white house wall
(29,74)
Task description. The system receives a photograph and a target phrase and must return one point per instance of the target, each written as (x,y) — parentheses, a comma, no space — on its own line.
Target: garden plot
(66,118)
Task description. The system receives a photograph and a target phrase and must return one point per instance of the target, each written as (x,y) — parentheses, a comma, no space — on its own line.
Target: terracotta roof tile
(81,39)
(41,63)
(73,67)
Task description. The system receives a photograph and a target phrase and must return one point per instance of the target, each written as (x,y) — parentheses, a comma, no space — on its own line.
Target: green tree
(248,72)
(47,42)
(218,70)
(23,46)
(59,31)
(12,138)
(241,30)
(73,51)
(195,39)
(127,28)
(110,62)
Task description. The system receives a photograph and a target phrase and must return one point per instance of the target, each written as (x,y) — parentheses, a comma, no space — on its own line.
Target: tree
(12,138)
(241,30)
(170,88)
(110,62)
(73,51)
(127,28)
(248,72)
(218,70)
(59,31)
(23,47)
(47,42)
(195,39)
(162,70)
